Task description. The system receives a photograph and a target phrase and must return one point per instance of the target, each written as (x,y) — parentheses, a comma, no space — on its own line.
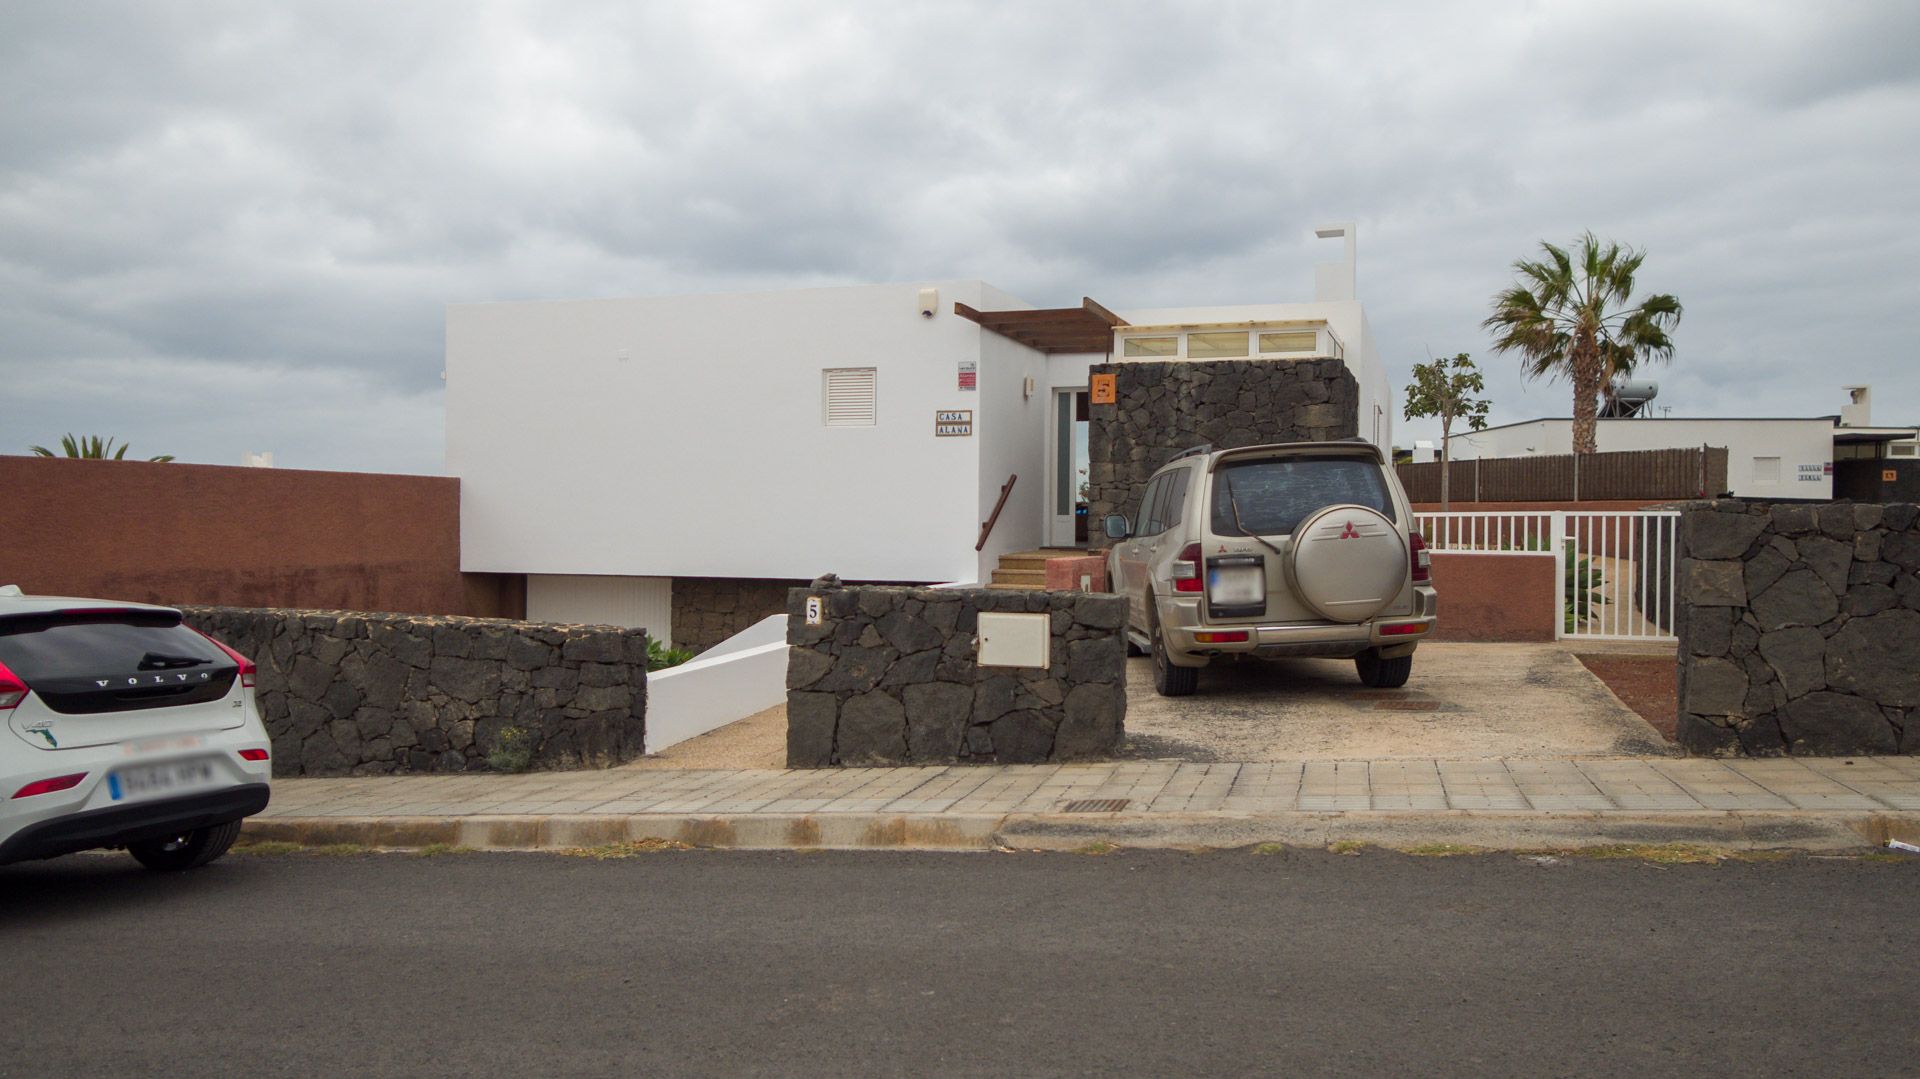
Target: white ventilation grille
(849,396)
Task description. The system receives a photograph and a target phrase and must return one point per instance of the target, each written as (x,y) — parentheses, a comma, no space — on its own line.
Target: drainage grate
(1098,805)
(1407,706)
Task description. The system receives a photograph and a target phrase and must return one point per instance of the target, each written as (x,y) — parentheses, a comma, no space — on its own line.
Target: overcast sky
(235,227)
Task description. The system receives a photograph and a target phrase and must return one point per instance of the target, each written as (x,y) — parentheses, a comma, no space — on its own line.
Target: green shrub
(660,657)
(1582,593)
(513,749)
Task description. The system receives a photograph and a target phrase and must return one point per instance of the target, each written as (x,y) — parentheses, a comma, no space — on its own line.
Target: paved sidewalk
(1821,803)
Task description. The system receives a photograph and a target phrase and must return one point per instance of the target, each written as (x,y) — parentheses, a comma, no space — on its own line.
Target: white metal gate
(1617,569)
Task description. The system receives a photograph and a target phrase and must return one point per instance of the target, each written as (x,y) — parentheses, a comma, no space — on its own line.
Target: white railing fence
(1617,569)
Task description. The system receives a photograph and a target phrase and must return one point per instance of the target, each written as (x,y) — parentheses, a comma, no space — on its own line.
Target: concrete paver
(1597,785)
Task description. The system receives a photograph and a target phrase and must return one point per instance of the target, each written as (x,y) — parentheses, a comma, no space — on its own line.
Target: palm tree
(1571,316)
(92,448)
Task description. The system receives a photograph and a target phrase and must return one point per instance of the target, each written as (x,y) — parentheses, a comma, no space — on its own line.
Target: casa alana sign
(953,423)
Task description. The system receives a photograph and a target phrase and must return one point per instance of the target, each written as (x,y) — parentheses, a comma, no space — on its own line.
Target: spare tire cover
(1348,562)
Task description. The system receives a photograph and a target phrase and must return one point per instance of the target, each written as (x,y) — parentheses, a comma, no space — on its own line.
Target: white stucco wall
(634,602)
(683,436)
(1011,428)
(1795,442)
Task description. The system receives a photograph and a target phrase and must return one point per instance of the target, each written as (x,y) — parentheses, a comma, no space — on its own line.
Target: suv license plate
(134,784)
(1236,586)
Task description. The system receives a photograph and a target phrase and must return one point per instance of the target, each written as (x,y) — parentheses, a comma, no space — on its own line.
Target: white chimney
(1335,280)
(1860,412)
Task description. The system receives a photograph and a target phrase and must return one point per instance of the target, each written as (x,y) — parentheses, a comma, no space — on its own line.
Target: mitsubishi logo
(1349,532)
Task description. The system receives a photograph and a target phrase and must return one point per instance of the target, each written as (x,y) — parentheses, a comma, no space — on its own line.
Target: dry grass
(630,849)
(1440,850)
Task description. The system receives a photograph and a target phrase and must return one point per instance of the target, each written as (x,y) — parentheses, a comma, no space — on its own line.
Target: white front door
(1067,478)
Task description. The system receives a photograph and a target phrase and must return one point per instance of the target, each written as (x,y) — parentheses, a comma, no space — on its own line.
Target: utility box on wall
(1014,640)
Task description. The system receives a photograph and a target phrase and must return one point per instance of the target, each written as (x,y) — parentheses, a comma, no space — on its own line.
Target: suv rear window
(1273,495)
(147,660)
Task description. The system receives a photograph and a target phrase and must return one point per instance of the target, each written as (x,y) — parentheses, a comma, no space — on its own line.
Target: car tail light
(12,689)
(1403,629)
(253,754)
(1232,636)
(1420,557)
(1186,570)
(48,786)
(247,670)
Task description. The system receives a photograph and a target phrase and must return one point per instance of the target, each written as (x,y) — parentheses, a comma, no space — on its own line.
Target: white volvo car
(124,727)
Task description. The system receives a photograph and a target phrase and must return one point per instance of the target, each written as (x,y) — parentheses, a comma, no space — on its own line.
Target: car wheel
(1168,680)
(1383,673)
(189,850)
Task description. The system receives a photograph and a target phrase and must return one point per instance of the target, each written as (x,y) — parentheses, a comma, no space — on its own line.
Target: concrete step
(1034,562)
(1017,587)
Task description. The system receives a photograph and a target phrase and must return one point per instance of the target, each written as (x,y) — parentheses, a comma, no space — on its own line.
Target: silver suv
(1296,549)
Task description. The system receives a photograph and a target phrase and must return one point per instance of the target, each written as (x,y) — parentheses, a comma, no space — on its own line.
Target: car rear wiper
(1226,479)
(158,661)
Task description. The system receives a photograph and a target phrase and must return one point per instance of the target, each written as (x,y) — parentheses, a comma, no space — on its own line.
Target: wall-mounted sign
(1889,475)
(1812,473)
(816,611)
(953,423)
(1101,390)
(969,375)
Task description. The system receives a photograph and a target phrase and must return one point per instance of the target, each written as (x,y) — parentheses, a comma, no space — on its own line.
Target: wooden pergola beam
(1087,328)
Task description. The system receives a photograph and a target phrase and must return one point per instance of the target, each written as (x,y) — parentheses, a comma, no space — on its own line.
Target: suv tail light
(1186,571)
(248,672)
(1420,557)
(12,689)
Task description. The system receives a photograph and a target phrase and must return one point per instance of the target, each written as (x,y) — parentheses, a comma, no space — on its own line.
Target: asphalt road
(846,964)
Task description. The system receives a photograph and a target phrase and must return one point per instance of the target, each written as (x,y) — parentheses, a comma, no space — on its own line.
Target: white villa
(650,460)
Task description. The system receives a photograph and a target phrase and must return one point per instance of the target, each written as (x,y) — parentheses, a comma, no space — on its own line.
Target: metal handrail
(986,526)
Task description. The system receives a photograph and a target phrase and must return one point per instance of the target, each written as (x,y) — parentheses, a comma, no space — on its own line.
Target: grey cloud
(292,193)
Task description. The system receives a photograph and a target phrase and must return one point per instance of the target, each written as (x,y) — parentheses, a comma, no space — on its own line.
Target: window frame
(1145,521)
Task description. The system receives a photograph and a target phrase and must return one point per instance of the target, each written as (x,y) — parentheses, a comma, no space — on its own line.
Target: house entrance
(1068,478)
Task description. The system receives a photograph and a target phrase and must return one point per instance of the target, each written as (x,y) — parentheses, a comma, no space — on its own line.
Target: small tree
(1446,388)
(91,447)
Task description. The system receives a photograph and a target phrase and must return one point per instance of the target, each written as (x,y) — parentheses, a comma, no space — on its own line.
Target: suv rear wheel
(189,850)
(1383,673)
(1168,680)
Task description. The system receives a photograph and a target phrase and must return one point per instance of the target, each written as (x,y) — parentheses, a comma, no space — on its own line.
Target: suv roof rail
(1192,451)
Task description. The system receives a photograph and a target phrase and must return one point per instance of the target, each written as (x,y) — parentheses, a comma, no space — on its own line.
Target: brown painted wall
(240,537)
(1493,597)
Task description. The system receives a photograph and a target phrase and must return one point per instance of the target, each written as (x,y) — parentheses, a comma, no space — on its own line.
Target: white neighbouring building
(1767,458)
(650,460)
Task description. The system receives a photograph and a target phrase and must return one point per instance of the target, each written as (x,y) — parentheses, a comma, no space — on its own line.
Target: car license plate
(1237,586)
(154,780)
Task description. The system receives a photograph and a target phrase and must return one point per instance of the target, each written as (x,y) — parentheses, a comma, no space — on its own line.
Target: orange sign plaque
(1101,390)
